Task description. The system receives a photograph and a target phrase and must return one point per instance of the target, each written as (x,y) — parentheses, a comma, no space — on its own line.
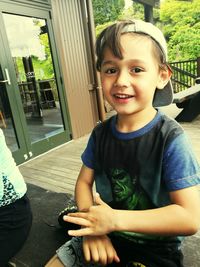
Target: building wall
(32,3)
(70,27)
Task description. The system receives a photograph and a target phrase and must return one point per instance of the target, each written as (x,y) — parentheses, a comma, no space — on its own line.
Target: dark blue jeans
(15,224)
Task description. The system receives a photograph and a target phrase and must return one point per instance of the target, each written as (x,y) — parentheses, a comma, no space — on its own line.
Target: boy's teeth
(122,96)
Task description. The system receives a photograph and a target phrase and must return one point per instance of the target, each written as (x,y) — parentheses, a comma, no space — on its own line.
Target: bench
(189,100)
(186,94)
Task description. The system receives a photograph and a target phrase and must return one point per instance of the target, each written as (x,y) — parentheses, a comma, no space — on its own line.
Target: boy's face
(129,83)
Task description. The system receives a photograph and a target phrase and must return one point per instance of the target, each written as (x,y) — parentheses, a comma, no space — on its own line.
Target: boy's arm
(182,217)
(83,189)
(97,248)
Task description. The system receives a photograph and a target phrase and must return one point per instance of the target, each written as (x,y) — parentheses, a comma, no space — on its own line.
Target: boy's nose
(123,79)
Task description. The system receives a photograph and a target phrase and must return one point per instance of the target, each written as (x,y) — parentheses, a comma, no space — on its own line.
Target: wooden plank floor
(58,169)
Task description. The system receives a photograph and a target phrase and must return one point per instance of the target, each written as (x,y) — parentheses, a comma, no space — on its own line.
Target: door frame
(14,95)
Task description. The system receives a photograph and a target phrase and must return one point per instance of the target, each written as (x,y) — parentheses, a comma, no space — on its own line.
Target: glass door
(6,118)
(35,86)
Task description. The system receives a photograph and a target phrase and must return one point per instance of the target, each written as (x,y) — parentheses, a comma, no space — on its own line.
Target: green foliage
(100,28)
(178,19)
(47,64)
(105,11)
(136,11)
(181,25)
(100,8)
(43,68)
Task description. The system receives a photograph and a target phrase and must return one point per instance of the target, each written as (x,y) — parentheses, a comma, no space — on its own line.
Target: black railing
(184,74)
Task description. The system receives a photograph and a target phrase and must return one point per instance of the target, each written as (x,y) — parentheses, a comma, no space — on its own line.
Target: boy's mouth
(122,96)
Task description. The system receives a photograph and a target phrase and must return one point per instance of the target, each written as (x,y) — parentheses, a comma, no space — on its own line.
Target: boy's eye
(110,71)
(136,70)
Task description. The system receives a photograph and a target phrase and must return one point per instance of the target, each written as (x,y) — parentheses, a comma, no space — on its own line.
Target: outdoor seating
(186,94)
(189,100)
(47,97)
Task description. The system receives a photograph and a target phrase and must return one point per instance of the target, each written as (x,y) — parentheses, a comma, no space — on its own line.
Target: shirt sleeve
(180,166)
(88,154)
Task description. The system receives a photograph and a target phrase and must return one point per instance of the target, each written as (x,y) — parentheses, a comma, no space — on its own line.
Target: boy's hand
(99,249)
(98,220)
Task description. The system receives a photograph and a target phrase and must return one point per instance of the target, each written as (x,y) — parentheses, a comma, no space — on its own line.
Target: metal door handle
(3,81)
(7,78)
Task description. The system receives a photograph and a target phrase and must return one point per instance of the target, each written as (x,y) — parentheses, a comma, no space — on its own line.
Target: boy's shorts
(71,254)
(131,255)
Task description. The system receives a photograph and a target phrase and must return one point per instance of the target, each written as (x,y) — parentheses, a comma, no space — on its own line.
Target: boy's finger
(77,220)
(116,258)
(76,214)
(80,232)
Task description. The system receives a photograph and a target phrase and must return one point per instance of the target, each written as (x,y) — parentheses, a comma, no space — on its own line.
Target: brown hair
(110,38)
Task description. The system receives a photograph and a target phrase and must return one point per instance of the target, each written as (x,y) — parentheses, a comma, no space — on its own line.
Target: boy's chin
(125,112)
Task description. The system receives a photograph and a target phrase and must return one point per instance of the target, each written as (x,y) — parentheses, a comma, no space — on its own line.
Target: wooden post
(91,28)
(198,67)
(148,8)
(148,13)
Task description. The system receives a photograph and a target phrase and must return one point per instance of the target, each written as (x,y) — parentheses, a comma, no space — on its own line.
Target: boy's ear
(165,75)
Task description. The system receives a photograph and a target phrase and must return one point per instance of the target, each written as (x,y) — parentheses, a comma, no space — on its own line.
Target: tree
(135,11)
(178,19)
(180,22)
(105,11)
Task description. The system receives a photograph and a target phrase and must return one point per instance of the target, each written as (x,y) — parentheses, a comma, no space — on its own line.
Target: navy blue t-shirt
(137,170)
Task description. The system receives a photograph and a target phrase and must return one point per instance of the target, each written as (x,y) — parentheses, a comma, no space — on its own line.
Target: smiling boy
(141,152)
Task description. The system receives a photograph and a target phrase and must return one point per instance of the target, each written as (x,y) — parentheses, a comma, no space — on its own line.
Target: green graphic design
(127,194)
(135,264)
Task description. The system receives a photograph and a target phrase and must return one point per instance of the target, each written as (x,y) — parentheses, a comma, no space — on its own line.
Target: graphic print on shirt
(127,194)
(135,264)
(9,194)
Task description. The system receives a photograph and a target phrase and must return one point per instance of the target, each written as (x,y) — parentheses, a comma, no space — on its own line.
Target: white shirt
(12,185)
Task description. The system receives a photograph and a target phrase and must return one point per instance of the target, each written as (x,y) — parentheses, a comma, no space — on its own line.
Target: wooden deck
(57,170)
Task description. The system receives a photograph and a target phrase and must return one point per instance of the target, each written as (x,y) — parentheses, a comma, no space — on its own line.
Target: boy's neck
(134,122)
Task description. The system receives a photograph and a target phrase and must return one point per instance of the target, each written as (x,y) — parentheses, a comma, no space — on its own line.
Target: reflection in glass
(6,121)
(31,53)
